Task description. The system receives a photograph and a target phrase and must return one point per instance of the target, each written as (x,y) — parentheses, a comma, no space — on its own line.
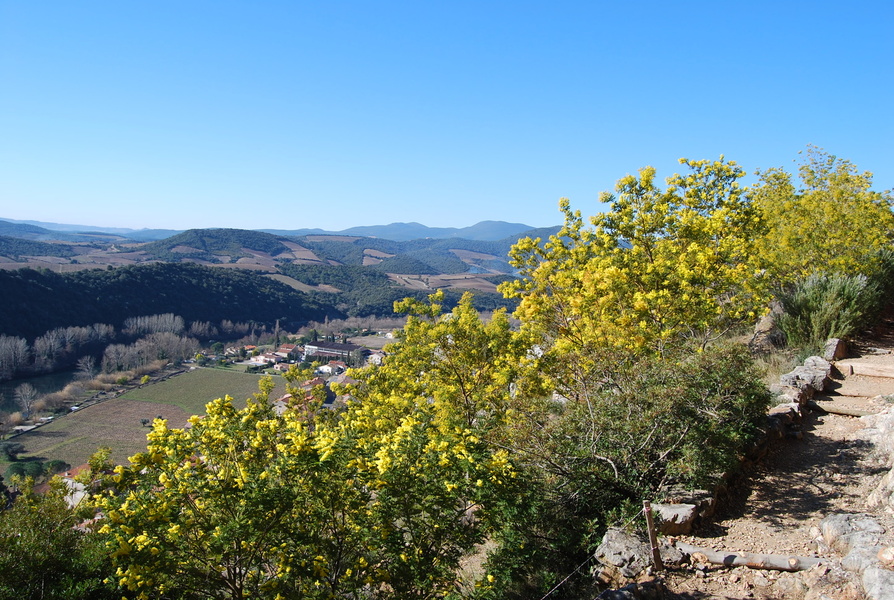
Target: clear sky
(332,114)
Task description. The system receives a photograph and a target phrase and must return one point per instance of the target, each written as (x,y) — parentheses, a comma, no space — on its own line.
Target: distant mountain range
(357,272)
(399,232)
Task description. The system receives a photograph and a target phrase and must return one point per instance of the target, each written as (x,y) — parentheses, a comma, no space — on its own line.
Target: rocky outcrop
(767,336)
(623,556)
(861,540)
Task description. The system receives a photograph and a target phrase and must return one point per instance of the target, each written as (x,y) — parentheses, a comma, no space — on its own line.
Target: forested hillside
(210,244)
(18,247)
(37,301)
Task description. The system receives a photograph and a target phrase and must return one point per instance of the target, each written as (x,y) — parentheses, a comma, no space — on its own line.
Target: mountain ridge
(487,230)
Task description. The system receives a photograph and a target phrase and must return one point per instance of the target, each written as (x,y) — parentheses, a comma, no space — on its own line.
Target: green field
(194,389)
(117,422)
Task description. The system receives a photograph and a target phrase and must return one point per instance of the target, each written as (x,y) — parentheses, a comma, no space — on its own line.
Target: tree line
(140,341)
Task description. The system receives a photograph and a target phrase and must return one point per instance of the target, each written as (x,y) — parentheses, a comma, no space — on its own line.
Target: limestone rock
(878,583)
(813,376)
(624,553)
(675,519)
(767,335)
(835,349)
(886,557)
(843,532)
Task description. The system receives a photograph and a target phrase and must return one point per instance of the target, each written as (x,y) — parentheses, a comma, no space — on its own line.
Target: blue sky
(334,114)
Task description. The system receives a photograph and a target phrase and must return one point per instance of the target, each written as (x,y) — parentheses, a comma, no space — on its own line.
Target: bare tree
(86,367)
(26,396)
(166,323)
(48,349)
(202,330)
(113,359)
(13,355)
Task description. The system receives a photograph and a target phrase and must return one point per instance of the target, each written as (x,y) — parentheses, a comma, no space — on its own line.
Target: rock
(760,580)
(860,558)
(671,555)
(790,587)
(886,557)
(819,363)
(788,411)
(767,335)
(835,349)
(812,576)
(704,501)
(878,583)
(842,532)
(807,377)
(675,519)
(649,590)
(625,554)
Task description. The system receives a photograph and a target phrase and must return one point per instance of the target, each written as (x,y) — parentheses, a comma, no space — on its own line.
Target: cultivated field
(191,391)
(117,422)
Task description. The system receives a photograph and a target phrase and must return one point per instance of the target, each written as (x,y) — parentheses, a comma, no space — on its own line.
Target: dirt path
(777,507)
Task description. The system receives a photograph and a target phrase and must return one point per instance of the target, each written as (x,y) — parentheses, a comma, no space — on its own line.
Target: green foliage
(343,278)
(341,252)
(827,306)
(51,467)
(31,468)
(44,556)
(210,244)
(832,224)
(591,460)
(423,262)
(407,265)
(16,248)
(11,450)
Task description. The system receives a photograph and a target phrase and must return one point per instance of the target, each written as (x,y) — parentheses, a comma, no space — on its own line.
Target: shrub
(11,450)
(99,386)
(591,459)
(827,306)
(31,468)
(73,390)
(15,418)
(109,378)
(54,401)
(56,466)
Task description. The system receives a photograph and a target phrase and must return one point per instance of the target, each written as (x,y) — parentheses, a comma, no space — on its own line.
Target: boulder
(767,336)
(843,532)
(675,519)
(624,554)
(806,377)
(703,500)
(835,349)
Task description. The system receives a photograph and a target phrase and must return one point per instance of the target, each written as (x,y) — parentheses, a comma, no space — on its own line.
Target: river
(44,384)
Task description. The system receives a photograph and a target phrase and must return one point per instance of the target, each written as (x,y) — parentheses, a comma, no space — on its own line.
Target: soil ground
(776,508)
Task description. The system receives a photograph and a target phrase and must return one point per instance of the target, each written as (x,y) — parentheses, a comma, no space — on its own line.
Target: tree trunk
(755,561)
(830,407)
